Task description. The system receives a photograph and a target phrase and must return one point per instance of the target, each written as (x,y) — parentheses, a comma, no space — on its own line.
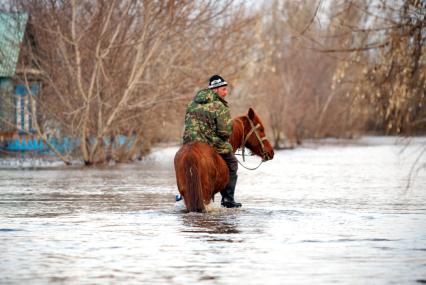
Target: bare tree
(114,72)
(388,40)
(294,82)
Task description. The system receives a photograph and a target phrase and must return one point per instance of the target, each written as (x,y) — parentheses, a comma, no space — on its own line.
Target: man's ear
(251,114)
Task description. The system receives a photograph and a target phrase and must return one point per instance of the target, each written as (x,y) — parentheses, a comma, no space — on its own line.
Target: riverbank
(167,150)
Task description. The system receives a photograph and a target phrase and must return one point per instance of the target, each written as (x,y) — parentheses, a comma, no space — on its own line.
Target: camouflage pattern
(208,120)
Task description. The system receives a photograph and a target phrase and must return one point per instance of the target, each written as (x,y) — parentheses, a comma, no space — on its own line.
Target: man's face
(221,91)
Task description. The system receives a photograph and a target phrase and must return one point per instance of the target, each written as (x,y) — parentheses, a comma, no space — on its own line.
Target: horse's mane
(237,135)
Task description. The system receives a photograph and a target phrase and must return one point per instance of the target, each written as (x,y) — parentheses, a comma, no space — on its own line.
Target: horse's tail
(194,198)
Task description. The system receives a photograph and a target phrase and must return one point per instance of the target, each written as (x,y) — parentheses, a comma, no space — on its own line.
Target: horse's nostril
(268,156)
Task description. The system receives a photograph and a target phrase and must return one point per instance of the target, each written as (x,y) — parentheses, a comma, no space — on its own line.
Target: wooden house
(16,120)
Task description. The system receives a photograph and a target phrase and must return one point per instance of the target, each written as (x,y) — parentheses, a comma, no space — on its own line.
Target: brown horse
(201,172)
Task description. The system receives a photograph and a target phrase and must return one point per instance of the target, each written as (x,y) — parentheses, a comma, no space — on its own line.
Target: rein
(253,129)
(248,168)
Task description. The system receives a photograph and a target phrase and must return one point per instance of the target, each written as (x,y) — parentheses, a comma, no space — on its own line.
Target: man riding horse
(208,120)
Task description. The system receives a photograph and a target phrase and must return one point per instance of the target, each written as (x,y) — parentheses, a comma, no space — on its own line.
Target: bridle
(264,153)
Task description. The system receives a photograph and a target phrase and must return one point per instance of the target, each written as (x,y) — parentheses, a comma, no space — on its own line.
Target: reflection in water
(212,223)
(337,214)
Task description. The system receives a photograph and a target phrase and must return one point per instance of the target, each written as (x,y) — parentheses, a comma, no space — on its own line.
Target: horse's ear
(251,114)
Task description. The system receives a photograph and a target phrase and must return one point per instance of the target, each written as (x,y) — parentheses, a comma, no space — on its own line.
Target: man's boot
(228,194)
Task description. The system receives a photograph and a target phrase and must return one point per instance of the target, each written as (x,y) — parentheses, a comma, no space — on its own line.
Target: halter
(265,155)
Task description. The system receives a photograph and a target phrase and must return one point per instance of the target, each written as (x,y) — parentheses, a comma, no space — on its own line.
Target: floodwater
(324,214)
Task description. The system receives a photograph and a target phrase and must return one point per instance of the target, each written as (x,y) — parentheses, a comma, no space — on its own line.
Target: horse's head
(255,137)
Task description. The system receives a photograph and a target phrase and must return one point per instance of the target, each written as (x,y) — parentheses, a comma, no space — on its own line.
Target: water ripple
(327,215)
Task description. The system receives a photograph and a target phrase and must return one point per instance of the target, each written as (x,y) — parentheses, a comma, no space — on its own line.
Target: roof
(12,29)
